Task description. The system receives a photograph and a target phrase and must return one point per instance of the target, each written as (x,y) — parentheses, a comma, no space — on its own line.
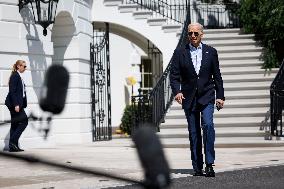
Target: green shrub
(265,18)
(127,119)
(132,116)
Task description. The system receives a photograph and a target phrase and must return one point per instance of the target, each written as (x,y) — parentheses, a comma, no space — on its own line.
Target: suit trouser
(19,122)
(194,128)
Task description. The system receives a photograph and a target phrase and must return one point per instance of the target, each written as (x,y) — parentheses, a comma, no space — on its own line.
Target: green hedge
(265,18)
(129,116)
(126,120)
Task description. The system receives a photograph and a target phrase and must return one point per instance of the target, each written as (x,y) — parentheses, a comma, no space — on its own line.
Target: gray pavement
(254,178)
(118,157)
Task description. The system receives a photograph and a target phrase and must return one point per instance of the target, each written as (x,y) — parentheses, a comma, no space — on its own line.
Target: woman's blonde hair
(15,67)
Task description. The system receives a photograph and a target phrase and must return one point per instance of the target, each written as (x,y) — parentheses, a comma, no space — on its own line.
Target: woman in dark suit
(16,101)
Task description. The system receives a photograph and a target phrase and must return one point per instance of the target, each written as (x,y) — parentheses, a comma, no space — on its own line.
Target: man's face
(22,67)
(195,35)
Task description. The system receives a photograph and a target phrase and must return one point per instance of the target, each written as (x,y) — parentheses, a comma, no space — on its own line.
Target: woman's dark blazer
(15,95)
(183,77)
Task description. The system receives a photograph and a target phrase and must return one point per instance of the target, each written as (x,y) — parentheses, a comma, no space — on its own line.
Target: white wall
(20,38)
(166,42)
(121,66)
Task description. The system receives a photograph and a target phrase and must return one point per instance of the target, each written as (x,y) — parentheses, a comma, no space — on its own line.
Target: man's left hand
(220,102)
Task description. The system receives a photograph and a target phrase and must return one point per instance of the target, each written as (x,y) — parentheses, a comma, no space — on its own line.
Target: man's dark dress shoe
(20,150)
(198,173)
(14,148)
(209,171)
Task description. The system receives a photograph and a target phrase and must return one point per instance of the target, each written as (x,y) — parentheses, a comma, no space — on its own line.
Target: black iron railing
(152,107)
(277,102)
(175,10)
(215,15)
(221,15)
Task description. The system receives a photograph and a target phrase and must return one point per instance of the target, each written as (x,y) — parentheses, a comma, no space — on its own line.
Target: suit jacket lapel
(187,58)
(204,56)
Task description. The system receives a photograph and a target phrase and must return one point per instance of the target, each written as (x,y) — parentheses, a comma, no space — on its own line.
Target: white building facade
(68,43)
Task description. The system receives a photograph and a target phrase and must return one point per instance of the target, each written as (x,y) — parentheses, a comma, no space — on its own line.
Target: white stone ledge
(22,46)
(84,26)
(85,33)
(74,95)
(19,30)
(10,12)
(83,3)
(83,11)
(9,2)
(77,80)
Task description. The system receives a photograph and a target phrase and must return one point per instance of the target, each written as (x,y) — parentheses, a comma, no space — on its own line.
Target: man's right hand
(179,97)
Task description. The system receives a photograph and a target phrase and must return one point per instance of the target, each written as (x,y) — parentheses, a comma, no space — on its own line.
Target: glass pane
(53,10)
(147,66)
(148,80)
(44,12)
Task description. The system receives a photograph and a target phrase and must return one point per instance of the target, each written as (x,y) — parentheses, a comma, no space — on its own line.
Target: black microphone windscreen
(54,90)
(150,151)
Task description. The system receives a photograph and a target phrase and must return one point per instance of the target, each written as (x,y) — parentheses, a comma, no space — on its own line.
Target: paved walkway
(255,178)
(117,157)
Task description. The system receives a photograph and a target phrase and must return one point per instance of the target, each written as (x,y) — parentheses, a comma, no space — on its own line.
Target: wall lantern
(44,11)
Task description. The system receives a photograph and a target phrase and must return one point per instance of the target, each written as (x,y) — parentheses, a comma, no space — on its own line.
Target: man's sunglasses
(195,34)
(24,66)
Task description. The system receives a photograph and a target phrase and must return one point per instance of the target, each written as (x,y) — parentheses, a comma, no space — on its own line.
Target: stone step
(219,132)
(168,28)
(226,142)
(222,31)
(240,63)
(246,94)
(235,103)
(142,14)
(231,31)
(156,21)
(248,78)
(112,2)
(241,86)
(226,36)
(238,42)
(247,70)
(126,8)
(225,112)
(239,55)
(219,122)
(238,49)
(265,85)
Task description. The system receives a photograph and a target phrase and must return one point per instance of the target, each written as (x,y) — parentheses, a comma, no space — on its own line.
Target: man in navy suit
(194,78)
(16,101)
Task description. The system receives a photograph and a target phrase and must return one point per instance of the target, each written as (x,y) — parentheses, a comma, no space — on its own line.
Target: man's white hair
(196,24)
